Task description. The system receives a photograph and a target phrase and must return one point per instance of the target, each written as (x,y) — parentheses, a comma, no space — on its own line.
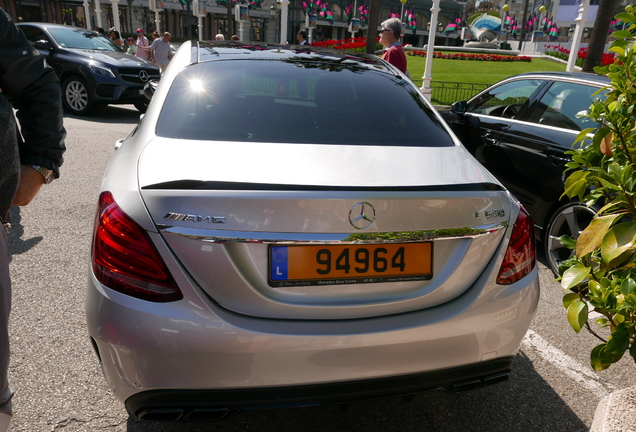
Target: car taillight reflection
(521,256)
(125,260)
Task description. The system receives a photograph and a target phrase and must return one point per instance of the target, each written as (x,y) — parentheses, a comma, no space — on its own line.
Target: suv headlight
(101,71)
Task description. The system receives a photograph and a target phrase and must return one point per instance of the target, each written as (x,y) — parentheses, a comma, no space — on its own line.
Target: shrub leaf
(577,315)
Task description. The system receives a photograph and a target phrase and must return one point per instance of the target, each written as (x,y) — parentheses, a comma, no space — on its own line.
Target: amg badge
(194,218)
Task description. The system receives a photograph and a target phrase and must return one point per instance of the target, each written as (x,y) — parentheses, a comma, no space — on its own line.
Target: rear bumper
(153,354)
(192,405)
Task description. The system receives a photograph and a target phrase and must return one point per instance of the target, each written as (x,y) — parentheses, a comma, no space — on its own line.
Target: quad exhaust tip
(479,382)
(164,414)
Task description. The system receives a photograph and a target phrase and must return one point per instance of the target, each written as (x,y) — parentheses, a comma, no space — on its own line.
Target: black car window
(506,99)
(562,103)
(34,34)
(297,101)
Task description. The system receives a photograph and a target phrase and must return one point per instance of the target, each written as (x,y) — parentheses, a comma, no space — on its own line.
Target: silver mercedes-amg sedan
(294,226)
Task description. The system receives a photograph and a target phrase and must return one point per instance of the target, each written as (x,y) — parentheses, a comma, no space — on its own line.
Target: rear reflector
(521,256)
(124,258)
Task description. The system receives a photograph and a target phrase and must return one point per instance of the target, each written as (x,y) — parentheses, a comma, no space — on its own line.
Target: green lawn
(474,72)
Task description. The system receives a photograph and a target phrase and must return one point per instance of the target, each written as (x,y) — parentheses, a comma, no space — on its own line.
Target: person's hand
(30,183)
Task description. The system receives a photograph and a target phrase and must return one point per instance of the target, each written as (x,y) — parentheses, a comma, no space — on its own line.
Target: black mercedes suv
(93,71)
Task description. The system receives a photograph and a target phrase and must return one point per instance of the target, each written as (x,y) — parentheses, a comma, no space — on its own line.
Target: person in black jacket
(29,157)
(302,37)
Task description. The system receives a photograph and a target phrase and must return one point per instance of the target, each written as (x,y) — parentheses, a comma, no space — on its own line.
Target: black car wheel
(76,96)
(571,220)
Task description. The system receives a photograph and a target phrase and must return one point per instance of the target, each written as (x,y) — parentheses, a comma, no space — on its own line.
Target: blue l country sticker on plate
(279,262)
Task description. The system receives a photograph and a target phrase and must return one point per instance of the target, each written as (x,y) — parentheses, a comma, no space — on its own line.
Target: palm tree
(604,16)
(372,29)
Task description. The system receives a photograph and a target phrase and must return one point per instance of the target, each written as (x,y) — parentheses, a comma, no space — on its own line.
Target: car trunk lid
(325,232)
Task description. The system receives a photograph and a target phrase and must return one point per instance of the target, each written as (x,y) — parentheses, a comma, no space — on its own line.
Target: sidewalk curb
(616,412)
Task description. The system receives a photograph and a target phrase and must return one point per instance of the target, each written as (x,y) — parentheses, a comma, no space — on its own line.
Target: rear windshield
(297,102)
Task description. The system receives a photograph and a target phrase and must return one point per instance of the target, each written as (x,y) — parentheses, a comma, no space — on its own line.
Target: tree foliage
(601,274)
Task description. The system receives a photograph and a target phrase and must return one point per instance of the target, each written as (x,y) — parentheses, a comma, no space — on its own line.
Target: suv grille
(131,75)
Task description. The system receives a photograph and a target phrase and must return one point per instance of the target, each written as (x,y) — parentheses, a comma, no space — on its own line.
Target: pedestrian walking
(301,37)
(143,46)
(390,33)
(161,50)
(115,37)
(132,48)
(29,156)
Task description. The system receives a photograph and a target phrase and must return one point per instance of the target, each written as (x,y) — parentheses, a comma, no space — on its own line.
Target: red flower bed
(357,44)
(564,54)
(473,57)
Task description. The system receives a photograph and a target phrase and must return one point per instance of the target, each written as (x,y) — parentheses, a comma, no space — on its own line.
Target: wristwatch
(48,174)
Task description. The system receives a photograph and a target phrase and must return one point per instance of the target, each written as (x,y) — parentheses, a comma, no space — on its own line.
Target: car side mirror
(459,107)
(43,45)
(149,88)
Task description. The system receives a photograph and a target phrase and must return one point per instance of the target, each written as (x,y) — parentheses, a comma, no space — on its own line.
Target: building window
(73,15)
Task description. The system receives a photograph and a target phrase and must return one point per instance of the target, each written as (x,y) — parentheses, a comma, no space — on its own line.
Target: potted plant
(601,274)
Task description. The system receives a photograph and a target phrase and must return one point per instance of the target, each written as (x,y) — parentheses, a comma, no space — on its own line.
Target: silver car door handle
(558,160)
(489,139)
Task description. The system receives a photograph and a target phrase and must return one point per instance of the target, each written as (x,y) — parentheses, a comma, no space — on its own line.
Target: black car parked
(93,71)
(520,129)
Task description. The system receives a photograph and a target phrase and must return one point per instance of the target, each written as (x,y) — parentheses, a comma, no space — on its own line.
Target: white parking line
(584,375)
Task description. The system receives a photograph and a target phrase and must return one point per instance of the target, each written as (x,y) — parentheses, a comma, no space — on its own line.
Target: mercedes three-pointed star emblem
(362,215)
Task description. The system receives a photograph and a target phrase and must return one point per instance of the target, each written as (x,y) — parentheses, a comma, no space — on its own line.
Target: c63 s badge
(489,214)
(194,218)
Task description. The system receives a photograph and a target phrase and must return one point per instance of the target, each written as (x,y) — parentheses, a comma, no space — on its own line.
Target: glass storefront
(124,19)
(73,14)
(256,26)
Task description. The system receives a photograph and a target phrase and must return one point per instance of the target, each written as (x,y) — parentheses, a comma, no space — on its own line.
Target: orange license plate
(352,263)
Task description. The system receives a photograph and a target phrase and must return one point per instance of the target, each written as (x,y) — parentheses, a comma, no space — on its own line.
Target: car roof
(210,51)
(50,25)
(584,76)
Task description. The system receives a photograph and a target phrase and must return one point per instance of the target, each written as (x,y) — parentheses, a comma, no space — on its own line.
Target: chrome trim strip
(524,122)
(223,236)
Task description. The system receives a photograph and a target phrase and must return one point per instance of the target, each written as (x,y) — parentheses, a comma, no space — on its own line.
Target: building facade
(260,23)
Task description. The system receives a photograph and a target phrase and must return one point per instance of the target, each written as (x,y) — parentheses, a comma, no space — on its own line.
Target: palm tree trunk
(372,29)
(230,19)
(606,11)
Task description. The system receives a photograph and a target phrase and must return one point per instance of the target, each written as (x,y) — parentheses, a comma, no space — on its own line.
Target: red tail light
(125,260)
(521,255)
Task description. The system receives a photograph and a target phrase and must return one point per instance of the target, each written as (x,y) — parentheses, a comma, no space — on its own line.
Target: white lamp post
(283,20)
(581,19)
(430,48)
(275,10)
(402,11)
(402,18)
(87,12)
(98,13)
(505,8)
(115,9)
